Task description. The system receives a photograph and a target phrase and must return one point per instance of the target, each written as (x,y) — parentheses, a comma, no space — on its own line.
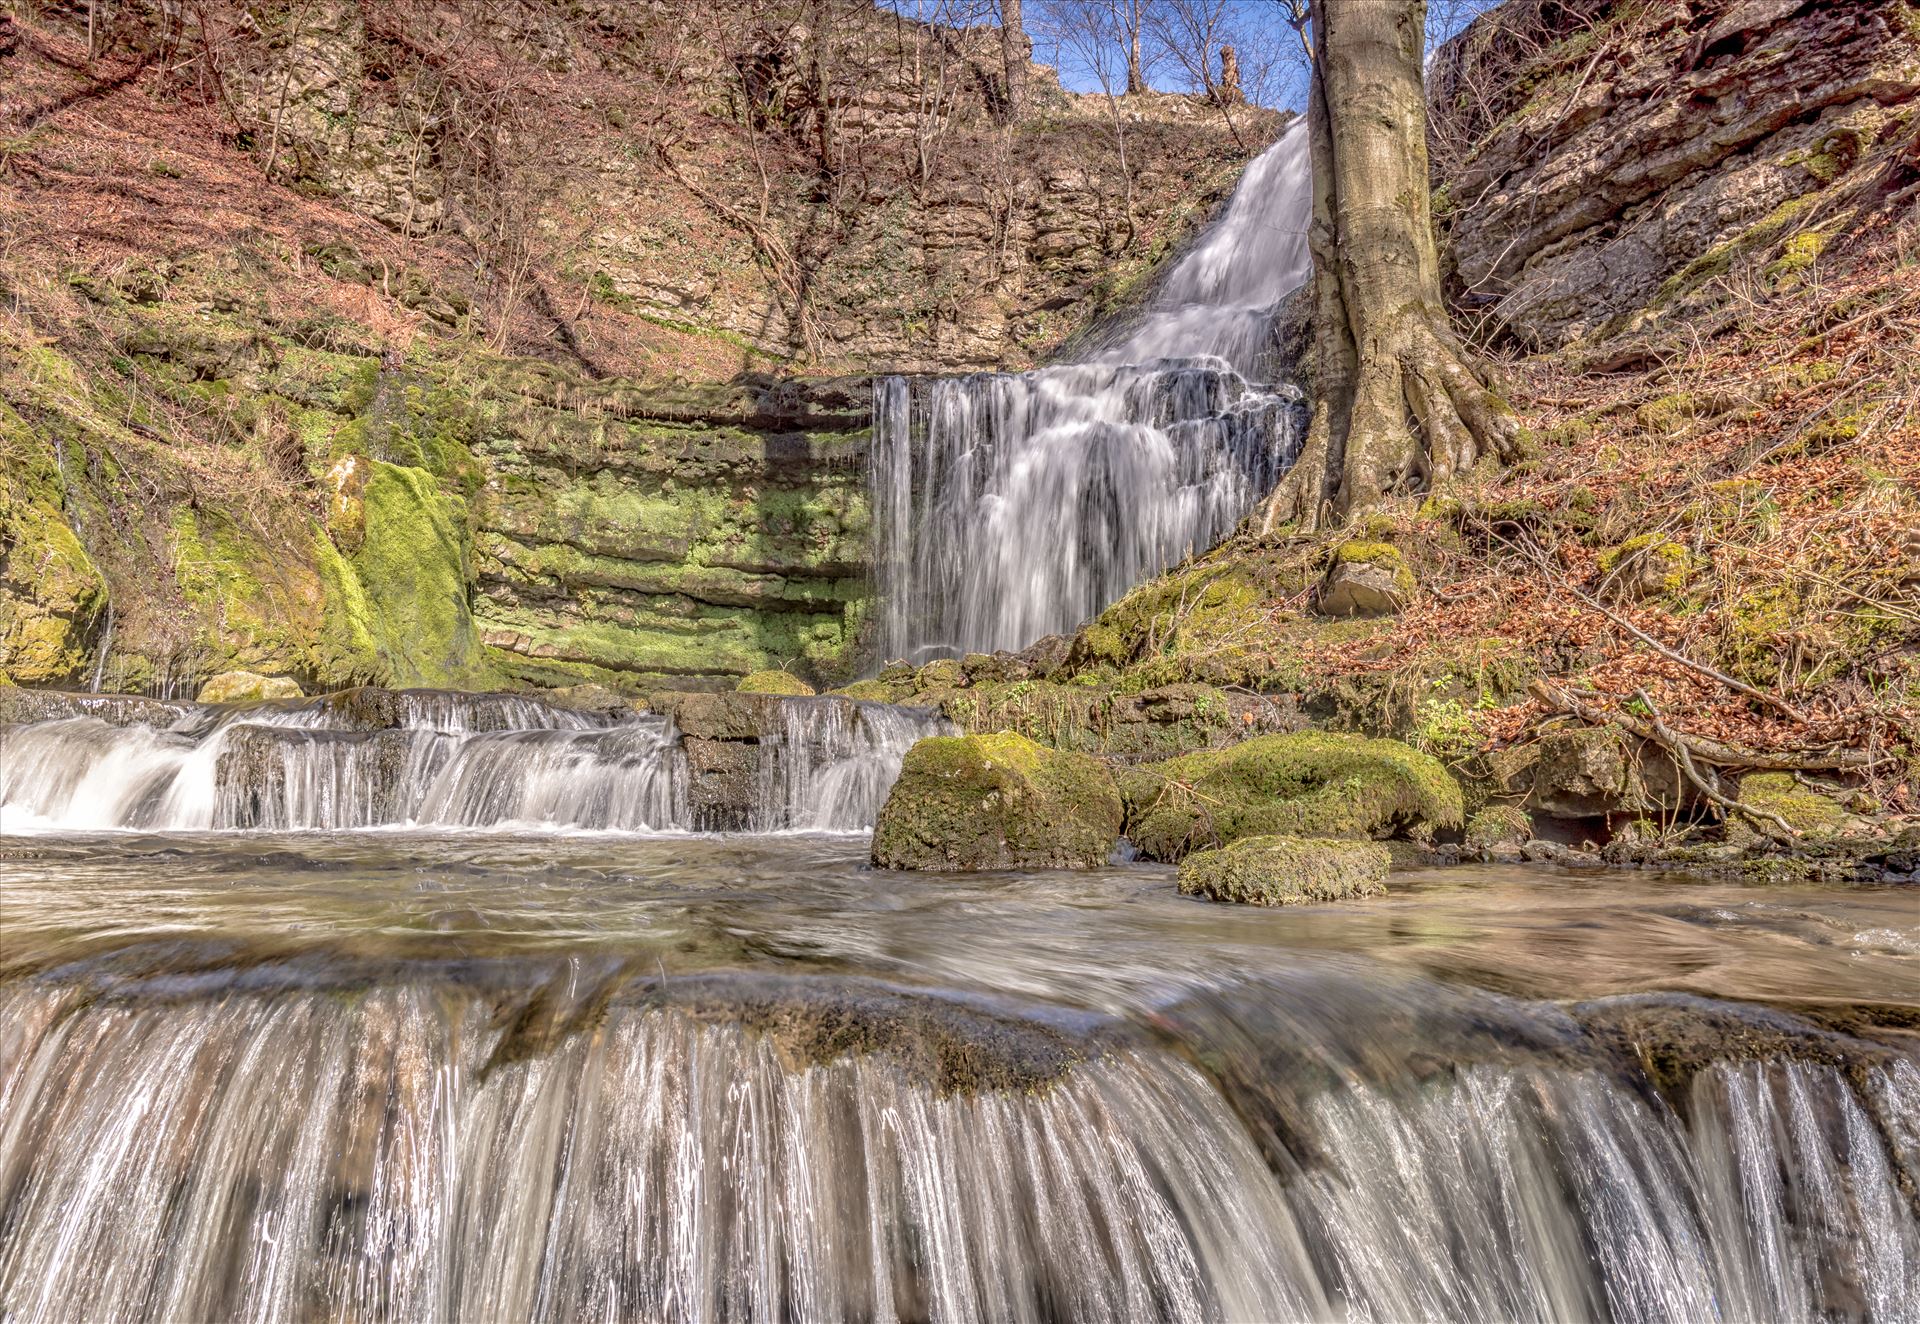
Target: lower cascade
(719,1148)
(369,759)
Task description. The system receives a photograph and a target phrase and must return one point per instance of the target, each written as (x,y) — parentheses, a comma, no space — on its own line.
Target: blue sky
(1273,66)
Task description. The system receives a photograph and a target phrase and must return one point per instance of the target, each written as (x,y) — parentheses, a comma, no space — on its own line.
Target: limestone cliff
(1601,161)
(454,345)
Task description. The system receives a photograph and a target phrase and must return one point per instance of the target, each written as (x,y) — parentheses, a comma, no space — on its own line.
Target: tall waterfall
(1015,505)
(437,760)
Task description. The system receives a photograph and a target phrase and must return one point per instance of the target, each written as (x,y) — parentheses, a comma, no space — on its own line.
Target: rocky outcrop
(996,802)
(1647,147)
(246,687)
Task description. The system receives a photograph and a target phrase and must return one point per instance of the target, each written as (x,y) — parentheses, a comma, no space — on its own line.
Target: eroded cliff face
(1602,160)
(445,345)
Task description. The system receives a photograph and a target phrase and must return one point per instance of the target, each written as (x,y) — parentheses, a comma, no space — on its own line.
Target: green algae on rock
(1286,871)
(996,802)
(1498,827)
(774,682)
(1312,783)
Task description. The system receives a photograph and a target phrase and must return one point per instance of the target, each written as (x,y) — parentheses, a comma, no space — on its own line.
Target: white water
(1015,505)
(661,1166)
(445,760)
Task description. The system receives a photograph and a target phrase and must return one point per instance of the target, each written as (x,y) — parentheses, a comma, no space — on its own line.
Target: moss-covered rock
(1366,579)
(247,687)
(1497,829)
(996,802)
(50,591)
(1649,566)
(1806,811)
(1312,783)
(1286,871)
(773,682)
(873,691)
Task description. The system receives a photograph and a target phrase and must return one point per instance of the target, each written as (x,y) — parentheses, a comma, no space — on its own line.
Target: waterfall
(1014,505)
(698,1155)
(424,759)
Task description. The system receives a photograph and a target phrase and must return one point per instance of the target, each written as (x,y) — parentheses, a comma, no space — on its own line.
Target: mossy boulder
(774,682)
(997,802)
(873,691)
(1806,811)
(1366,579)
(1498,830)
(247,687)
(1286,871)
(1311,783)
(1648,566)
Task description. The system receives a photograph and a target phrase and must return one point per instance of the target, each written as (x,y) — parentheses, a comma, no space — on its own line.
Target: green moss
(413,565)
(1307,784)
(1649,564)
(1806,811)
(1666,415)
(51,593)
(1497,825)
(996,802)
(1286,871)
(773,682)
(872,691)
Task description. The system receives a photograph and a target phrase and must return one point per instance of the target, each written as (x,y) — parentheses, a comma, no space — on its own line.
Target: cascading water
(428,760)
(1015,505)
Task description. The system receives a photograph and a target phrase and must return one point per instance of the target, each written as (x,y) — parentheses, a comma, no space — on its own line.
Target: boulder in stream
(1308,783)
(997,802)
(1286,871)
(773,682)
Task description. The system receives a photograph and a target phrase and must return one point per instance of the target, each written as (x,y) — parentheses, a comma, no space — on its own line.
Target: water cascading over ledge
(1009,506)
(426,759)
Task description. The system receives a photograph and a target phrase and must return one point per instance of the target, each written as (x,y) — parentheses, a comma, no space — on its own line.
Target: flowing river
(419,1064)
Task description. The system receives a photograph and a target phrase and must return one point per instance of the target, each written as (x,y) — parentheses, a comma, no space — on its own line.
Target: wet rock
(273,777)
(19,706)
(1309,783)
(1286,871)
(1046,656)
(1498,832)
(723,779)
(1554,852)
(248,687)
(1366,579)
(773,682)
(723,716)
(997,802)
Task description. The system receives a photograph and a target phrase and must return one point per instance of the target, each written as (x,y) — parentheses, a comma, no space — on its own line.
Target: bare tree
(1094,34)
(1398,402)
(1016,52)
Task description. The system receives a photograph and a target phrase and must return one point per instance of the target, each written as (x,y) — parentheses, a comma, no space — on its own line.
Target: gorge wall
(420,344)
(416,345)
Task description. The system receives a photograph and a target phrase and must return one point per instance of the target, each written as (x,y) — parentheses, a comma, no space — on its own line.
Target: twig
(1669,739)
(1708,751)
(1739,686)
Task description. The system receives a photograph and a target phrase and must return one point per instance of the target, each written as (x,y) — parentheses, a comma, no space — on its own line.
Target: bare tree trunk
(1016,52)
(1398,403)
(1136,75)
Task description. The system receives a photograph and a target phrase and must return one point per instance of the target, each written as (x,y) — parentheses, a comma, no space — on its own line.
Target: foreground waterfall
(732,1154)
(424,759)
(1011,506)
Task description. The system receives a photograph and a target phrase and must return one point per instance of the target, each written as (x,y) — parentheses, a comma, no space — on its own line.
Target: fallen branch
(1670,740)
(1708,751)
(1773,701)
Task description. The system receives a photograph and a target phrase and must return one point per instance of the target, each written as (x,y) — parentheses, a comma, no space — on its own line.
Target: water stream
(425,1076)
(1015,505)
